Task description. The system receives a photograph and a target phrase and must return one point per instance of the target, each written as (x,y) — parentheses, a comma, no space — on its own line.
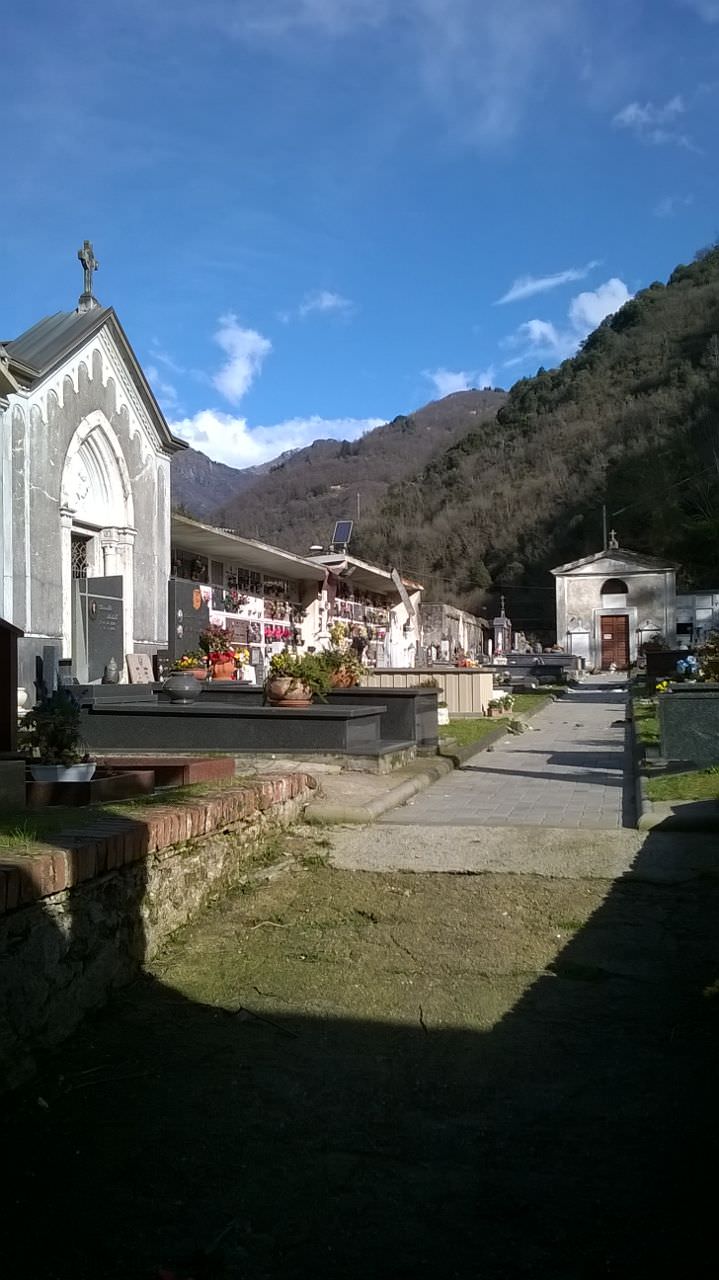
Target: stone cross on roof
(90,264)
(613,544)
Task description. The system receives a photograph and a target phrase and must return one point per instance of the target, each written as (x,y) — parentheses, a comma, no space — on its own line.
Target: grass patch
(699,784)
(21,832)
(473,729)
(25,831)
(646,721)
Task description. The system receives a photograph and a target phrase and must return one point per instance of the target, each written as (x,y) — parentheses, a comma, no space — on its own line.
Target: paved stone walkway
(567,770)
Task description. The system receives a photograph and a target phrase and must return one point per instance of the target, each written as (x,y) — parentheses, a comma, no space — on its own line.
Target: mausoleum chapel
(95,567)
(612,602)
(85,490)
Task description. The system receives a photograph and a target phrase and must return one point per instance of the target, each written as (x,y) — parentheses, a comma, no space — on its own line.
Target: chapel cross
(613,544)
(90,263)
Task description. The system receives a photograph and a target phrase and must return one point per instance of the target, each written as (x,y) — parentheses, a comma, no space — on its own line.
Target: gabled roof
(634,560)
(40,350)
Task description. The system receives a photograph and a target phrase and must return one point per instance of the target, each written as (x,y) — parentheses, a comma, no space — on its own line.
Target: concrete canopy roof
(368,576)
(218,544)
(634,562)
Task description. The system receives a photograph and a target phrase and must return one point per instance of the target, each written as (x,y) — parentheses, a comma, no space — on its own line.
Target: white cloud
(528,286)
(655,123)
(325,302)
(246,351)
(588,310)
(540,339)
(670,206)
(228,438)
(446,381)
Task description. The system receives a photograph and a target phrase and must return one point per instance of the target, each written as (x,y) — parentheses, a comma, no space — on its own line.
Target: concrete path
(657,857)
(567,770)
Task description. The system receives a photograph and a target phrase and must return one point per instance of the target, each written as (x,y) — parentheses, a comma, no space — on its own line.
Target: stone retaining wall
(79,920)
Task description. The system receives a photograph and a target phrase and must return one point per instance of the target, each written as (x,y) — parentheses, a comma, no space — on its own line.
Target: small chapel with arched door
(610,603)
(84,492)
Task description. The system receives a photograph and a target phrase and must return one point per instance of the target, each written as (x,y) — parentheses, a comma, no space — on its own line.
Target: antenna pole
(604,526)
(358,507)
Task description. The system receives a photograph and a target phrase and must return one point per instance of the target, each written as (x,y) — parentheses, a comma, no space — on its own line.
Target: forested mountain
(299,498)
(631,421)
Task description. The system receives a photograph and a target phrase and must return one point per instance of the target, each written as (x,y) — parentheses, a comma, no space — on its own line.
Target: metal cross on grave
(90,263)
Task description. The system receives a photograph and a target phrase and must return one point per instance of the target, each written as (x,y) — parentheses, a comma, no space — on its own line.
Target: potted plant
(50,734)
(343,668)
(343,664)
(193,663)
(496,708)
(215,642)
(294,681)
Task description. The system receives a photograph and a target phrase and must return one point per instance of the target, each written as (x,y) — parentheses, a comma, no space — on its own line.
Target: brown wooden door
(615,641)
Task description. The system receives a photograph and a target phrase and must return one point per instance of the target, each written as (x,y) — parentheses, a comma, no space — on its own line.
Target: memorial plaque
(101,614)
(188,616)
(139,668)
(238,631)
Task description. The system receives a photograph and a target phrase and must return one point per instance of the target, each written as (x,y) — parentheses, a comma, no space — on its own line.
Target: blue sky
(312,215)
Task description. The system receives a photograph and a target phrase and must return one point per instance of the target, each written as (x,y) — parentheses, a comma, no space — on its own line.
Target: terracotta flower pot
(223,670)
(200,673)
(342,679)
(286,691)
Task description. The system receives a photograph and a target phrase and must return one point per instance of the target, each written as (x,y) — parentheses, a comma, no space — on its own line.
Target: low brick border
(115,842)
(82,918)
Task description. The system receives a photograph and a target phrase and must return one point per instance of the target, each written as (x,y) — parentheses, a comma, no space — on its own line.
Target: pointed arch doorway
(97,534)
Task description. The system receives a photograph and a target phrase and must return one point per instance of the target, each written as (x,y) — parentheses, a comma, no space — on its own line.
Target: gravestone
(662,663)
(689,724)
(188,615)
(101,620)
(139,668)
(12,767)
(50,658)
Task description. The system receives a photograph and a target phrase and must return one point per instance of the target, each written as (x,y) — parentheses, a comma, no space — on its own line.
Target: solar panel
(342,533)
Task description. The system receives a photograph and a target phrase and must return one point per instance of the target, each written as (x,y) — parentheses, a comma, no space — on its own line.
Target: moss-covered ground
(349,1075)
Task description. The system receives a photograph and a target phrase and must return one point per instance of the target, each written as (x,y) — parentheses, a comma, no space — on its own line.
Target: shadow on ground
(562,1133)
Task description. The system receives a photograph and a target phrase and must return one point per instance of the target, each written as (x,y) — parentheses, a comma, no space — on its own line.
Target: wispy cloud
(706,9)
(670,206)
(479,66)
(655,123)
(324,302)
(528,286)
(447,381)
(165,392)
(231,439)
(246,351)
(542,340)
